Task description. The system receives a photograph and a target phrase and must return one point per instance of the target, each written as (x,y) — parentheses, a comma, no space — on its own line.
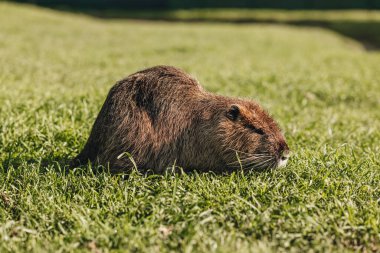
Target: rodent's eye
(233,112)
(256,130)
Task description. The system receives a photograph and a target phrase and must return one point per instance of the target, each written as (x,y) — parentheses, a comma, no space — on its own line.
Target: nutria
(162,117)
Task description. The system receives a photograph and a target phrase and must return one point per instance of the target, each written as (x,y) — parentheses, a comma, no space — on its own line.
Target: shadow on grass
(366,31)
(59,163)
(62,164)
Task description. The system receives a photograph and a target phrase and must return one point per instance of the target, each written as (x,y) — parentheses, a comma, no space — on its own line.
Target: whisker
(239,151)
(271,164)
(254,163)
(249,159)
(274,164)
(253,156)
(246,160)
(261,163)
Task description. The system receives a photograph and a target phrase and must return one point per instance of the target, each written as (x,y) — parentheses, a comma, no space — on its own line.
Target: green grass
(362,25)
(324,90)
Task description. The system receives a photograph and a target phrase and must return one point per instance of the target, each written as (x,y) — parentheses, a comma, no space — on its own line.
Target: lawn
(324,90)
(362,25)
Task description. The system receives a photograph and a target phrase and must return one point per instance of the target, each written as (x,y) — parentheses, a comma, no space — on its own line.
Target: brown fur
(162,116)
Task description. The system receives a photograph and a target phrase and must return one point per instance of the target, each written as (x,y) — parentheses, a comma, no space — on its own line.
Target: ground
(322,87)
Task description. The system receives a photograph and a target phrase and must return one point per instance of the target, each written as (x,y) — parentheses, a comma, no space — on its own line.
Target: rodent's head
(250,138)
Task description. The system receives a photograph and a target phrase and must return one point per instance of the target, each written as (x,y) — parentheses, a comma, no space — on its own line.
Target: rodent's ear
(233,112)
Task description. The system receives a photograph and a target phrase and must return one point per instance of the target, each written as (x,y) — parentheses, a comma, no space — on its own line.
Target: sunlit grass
(324,90)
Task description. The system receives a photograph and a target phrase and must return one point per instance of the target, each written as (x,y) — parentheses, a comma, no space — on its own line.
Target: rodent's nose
(285,155)
(284,159)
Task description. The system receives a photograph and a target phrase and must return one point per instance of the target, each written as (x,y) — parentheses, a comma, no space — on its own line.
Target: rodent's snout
(284,158)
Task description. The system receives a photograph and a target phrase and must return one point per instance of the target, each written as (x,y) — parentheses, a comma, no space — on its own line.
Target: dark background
(185,4)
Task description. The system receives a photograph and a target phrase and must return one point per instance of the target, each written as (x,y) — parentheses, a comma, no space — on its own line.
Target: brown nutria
(162,117)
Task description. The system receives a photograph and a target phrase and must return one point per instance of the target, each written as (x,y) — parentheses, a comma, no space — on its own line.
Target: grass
(240,14)
(361,25)
(55,71)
